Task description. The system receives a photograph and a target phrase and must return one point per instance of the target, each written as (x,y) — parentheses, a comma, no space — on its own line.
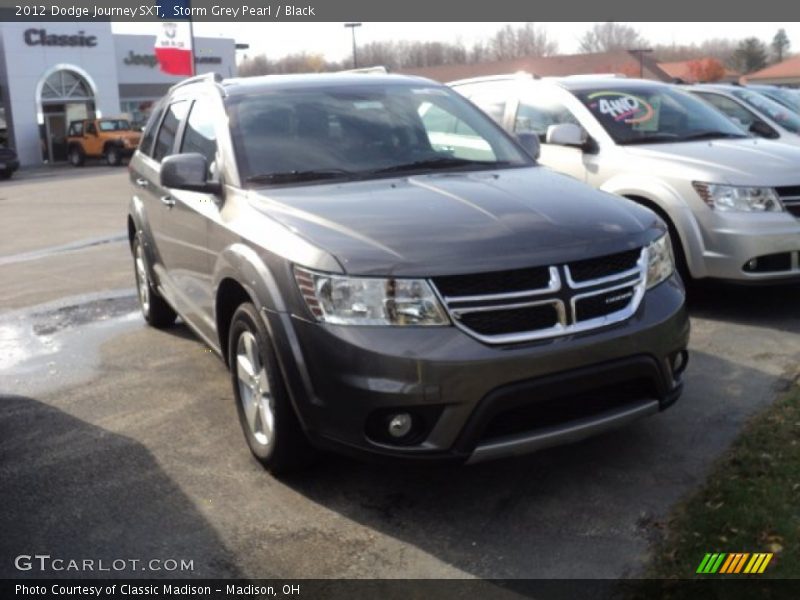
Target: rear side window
(76,128)
(199,135)
(538,111)
(146,145)
(165,141)
(490,97)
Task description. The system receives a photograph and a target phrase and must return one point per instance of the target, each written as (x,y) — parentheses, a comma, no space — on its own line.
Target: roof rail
(498,77)
(205,77)
(596,75)
(367,70)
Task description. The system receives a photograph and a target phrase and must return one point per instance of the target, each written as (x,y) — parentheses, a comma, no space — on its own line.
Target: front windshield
(789,98)
(777,112)
(114,125)
(650,114)
(364,131)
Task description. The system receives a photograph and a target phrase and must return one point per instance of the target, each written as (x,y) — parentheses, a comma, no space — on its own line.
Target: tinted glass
(733,109)
(655,114)
(149,134)
(777,112)
(114,125)
(538,111)
(788,98)
(199,135)
(359,131)
(169,129)
(490,96)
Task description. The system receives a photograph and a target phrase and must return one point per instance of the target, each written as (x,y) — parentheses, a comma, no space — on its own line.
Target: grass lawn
(750,503)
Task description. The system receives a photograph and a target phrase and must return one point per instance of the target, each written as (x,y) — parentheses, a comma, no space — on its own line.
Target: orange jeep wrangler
(111,139)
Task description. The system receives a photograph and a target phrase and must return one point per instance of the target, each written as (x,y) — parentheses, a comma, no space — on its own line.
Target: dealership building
(54,73)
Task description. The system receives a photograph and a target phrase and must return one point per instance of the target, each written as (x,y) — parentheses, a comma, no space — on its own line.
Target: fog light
(752,264)
(400,425)
(679,362)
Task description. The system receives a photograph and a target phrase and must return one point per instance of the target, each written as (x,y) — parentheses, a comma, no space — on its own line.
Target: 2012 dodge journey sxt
(386,272)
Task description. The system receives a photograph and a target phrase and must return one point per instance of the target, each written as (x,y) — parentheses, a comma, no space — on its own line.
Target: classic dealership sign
(40,37)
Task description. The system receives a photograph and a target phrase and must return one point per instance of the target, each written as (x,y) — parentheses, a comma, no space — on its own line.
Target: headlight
(660,262)
(739,198)
(342,300)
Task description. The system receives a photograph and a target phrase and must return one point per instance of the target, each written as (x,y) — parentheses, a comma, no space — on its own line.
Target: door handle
(141,182)
(168,201)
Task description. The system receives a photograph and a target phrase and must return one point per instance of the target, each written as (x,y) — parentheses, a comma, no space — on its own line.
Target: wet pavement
(120,441)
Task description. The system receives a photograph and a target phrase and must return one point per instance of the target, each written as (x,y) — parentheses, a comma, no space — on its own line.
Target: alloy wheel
(254,390)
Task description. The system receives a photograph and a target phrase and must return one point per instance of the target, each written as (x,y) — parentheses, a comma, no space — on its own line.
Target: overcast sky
(333,40)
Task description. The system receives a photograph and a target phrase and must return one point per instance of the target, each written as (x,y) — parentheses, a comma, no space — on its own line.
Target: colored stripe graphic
(734,563)
(711,563)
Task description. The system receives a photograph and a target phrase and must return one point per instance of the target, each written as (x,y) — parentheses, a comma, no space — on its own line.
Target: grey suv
(386,272)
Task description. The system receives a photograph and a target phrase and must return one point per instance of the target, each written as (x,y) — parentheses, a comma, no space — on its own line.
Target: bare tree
(526,40)
(292,63)
(605,37)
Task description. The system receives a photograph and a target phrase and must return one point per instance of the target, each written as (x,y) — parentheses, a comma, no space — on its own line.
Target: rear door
(157,201)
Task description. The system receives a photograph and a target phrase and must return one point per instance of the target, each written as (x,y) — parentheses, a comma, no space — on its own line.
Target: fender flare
(243,265)
(673,206)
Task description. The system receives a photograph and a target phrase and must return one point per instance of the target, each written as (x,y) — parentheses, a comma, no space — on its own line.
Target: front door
(56,132)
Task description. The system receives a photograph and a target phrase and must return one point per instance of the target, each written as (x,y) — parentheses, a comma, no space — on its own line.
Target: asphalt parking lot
(120,441)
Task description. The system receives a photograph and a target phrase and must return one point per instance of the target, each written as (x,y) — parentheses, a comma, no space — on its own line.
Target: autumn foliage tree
(706,69)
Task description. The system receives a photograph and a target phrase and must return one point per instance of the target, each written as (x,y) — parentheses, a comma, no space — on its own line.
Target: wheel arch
(667,203)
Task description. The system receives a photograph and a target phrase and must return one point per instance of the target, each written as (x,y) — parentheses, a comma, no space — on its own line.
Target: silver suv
(381,285)
(732,201)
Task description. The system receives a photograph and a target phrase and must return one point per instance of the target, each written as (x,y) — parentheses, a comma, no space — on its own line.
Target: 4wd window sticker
(621,106)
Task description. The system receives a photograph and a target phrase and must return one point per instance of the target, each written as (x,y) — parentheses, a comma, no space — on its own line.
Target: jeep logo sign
(150,60)
(140,59)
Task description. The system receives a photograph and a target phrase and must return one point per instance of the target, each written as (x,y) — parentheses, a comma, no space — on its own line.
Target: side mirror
(187,172)
(530,142)
(565,134)
(761,129)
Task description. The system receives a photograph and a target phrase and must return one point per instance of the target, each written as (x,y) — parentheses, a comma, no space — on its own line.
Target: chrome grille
(790,197)
(568,298)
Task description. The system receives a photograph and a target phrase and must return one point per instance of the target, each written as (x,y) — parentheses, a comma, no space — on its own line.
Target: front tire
(155,309)
(113,156)
(266,415)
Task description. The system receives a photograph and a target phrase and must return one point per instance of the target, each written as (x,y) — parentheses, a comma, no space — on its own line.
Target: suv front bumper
(477,401)
(733,240)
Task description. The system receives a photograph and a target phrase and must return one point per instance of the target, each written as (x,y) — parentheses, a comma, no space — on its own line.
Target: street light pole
(641,52)
(352,27)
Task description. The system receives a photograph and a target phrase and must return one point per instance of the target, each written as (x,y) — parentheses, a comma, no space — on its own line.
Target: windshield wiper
(652,139)
(443,162)
(710,135)
(296,175)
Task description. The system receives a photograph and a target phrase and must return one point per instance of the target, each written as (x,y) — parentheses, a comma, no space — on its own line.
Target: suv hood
(746,161)
(450,223)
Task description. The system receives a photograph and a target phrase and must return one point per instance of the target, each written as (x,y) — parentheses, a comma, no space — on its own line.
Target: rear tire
(76,156)
(269,423)
(155,309)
